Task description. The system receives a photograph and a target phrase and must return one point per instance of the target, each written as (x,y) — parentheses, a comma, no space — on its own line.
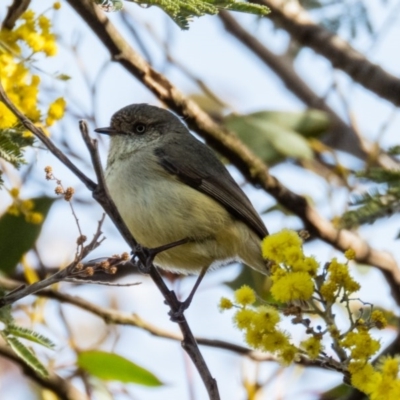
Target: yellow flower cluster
(293,272)
(381,383)
(338,278)
(294,277)
(31,35)
(24,207)
(260,325)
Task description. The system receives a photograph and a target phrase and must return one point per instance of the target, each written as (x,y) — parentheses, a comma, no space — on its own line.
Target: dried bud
(79,267)
(48,169)
(59,190)
(89,271)
(125,256)
(113,270)
(304,234)
(105,265)
(81,239)
(69,192)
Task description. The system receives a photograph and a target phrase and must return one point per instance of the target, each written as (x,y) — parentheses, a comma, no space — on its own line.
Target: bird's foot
(147,255)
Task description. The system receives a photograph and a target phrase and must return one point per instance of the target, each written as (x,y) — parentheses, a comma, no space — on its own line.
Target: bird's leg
(150,254)
(177,315)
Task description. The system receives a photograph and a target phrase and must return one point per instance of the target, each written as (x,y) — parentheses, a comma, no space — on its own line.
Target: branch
(15,10)
(61,387)
(232,148)
(112,316)
(341,135)
(290,16)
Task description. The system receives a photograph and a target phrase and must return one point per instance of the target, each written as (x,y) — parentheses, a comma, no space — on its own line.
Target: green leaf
(12,142)
(269,140)
(29,335)
(308,123)
(182,11)
(337,393)
(5,311)
(26,355)
(63,77)
(19,236)
(110,366)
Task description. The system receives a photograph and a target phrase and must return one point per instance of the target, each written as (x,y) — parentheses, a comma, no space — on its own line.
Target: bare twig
(75,269)
(292,17)
(341,135)
(61,387)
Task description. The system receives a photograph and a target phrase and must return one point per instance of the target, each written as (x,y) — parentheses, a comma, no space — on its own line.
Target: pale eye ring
(140,128)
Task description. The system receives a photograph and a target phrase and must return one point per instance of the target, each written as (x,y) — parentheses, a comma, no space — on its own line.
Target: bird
(169,186)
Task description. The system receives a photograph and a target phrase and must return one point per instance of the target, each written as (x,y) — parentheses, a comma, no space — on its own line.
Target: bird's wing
(186,160)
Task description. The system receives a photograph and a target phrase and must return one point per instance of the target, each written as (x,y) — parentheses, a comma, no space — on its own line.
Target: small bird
(168,186)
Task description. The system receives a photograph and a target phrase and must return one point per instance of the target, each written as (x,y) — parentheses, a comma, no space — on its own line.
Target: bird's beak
(106,131)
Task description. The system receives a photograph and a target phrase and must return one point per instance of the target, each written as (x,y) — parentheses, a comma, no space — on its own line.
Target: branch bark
(292,17)
(341,135)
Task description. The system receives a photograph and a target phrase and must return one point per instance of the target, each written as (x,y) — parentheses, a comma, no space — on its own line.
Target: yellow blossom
(13,210)
(34,218)
(275,247)
(312,346)
(350,254)
(389,367)
(56,111)
(288,354)
(14,192)
(274,341)
(306,264)
(245,296)
(265,318)
(293,286)
(328,291)
(253,337)
(57,5)
(225,304)
(243,318)
(378,318)
(363,376)
(27,205)
(361,344)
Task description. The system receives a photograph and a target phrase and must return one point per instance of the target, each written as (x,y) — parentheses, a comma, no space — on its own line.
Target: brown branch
(290,16)
(341,135)
(231,147)
(61,387)
(15,10)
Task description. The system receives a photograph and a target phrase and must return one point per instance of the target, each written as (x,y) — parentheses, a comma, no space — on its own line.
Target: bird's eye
(140,128)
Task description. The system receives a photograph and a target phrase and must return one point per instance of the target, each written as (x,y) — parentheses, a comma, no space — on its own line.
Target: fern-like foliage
(381,201)
(182,11)
(12,143)
(12,333)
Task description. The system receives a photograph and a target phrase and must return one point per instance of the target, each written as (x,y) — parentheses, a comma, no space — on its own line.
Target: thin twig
(75,269)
